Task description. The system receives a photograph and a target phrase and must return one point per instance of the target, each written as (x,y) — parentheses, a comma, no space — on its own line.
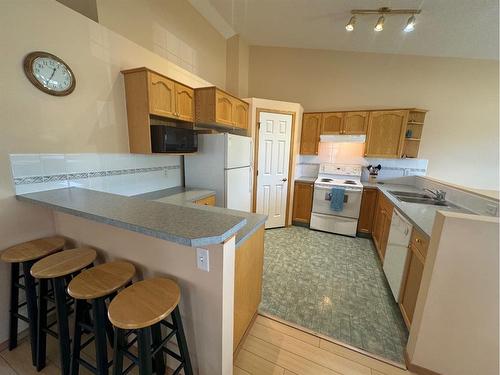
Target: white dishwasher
(397,252)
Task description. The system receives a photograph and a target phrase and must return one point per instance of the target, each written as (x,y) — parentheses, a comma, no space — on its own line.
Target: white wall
(455,329)
(460,137)
(172,29)
(91,119)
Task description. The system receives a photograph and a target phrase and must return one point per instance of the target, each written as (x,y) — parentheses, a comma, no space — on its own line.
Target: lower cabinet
(302,202)
(248,268)
(367,211)
(411,284)
(208,201)
(382,224)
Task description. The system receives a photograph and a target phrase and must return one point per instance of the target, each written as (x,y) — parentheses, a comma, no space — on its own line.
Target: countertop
(186,223)
(186,196)
(305,179)
(420,215)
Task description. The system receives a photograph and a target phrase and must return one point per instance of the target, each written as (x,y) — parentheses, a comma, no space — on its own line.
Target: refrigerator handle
(250,179)
(251,152)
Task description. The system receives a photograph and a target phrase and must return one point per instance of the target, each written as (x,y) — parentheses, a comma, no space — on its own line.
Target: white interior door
(272,179)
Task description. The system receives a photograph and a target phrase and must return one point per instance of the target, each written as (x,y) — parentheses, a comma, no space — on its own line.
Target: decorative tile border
(79,176)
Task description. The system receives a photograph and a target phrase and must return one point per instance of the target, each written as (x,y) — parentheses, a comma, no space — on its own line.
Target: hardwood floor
(271,348)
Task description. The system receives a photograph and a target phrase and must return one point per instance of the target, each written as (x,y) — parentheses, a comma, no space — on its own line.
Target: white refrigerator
(223,163)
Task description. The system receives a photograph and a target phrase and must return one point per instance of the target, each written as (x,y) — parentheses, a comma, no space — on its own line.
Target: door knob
(284,180)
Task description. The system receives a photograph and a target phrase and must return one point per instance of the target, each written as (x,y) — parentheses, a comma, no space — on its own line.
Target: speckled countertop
(305,179)
(186,196)
(186,223)
(420,215)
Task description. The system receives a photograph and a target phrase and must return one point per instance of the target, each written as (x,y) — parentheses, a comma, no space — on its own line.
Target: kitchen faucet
(439,195)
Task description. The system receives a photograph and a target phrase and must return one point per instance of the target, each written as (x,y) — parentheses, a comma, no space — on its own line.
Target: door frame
(256,157)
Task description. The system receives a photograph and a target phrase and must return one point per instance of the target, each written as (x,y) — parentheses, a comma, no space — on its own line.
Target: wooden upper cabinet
(355,123)
(302,202)
(223,108)
(309,139)
(386,132)
(216,107)
(240,113)
(161,95)
(332,122)
(184,102)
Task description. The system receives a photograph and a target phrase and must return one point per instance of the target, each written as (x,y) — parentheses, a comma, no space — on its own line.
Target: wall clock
(49,73)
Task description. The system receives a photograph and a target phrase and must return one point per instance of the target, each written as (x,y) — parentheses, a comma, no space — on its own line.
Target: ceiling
(452,28)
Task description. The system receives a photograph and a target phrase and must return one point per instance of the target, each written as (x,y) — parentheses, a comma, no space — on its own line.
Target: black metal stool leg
(62,324)
(41,336)
(77,339)
(30,289)
(100,318)
(181,341)
(14,305)
(144,347)
(159,359)
(119,346)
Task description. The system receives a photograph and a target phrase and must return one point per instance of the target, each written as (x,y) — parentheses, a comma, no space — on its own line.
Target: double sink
(421,198)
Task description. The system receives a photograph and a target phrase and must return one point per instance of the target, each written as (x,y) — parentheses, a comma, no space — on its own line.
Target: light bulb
(380,24)
(410,25)
(350,25)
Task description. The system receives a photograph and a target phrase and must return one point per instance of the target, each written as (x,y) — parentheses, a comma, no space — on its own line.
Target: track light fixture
(383,12)
(380,24)
(350,25)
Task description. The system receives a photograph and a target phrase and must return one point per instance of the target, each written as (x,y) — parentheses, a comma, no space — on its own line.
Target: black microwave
(171,139)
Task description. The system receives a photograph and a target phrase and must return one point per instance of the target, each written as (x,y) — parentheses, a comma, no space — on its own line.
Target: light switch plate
(202,259)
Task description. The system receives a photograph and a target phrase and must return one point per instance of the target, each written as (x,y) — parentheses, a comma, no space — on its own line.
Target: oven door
(352,202)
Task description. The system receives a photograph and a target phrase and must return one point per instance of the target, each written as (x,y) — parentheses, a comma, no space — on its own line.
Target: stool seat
(32,250)
(144,303)
(101,280)
(63,263)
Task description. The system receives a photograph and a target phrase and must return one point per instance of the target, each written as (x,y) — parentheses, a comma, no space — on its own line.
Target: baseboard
(417,369)
(21,335)
(240,344)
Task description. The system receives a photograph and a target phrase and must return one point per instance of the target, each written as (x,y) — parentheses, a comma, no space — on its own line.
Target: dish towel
(337,201)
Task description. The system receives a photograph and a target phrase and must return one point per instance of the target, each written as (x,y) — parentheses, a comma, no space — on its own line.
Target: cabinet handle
(418,240)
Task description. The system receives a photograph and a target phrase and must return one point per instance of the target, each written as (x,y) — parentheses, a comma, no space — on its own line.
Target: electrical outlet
(492,209)
(202,259)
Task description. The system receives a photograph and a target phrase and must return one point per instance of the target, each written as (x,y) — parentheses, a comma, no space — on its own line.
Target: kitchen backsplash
(125,174)
(352,153)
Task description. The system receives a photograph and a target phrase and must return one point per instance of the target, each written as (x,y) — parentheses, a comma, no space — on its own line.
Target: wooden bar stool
(144,307)
(96,285)
(57,268)
(24,255)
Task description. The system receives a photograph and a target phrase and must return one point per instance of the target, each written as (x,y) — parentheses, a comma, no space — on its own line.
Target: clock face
(49,73)
(52,74)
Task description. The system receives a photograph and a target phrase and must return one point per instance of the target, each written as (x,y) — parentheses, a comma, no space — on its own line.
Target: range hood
(343,138)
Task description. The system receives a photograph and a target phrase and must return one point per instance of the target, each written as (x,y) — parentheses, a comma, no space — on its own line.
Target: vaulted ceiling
(451,28)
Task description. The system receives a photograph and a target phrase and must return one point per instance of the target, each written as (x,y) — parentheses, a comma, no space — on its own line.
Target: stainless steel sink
(398,194)
(420,198)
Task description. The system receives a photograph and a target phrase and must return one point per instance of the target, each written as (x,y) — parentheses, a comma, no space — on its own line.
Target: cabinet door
(386,227)
(302,202)
(367,211)
(386,131)
(331,123)
(209,201)
(309,139)
(161,96)
(240,114)
(378,225)
(223,108)
(355,123)
(184,102)
(411,286)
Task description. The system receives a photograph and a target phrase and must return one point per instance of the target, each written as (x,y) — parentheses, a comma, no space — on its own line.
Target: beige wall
(237,60)
(461,132)
(455,328)
(86,7)
(173,29)
(91,119)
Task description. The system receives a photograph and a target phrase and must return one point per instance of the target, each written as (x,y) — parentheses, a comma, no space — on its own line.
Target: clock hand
(53,72)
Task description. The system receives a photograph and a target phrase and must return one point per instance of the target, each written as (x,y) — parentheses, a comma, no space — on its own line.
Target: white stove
(324,217)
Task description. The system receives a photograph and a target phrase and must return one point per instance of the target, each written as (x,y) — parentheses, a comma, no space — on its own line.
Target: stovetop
(339,175)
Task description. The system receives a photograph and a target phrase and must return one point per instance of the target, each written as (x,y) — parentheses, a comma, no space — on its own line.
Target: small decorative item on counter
(409,133)
(373,172)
